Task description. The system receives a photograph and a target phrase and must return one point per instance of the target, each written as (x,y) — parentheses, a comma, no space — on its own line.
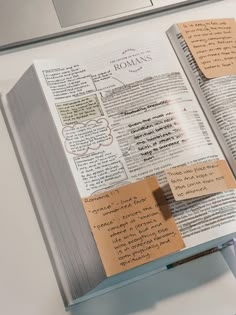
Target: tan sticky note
(200,179)
(132,225)
(213,45)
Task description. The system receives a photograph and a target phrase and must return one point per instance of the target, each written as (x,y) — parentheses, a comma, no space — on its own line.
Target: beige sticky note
(132,225)
(200,179)
(213,45)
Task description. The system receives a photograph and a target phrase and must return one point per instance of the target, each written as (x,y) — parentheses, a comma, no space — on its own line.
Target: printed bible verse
(132,225)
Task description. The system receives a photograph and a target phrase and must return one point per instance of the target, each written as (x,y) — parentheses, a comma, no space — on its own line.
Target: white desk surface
(27,282)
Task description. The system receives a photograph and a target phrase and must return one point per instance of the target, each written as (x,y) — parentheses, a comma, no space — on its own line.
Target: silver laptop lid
(25,21)
(73,12)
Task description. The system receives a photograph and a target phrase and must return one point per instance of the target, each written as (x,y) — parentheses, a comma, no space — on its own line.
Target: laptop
(27,21)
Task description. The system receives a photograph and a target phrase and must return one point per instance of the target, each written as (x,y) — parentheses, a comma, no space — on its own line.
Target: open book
(104,122)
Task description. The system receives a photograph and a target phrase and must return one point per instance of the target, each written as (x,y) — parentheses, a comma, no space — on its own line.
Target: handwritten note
(213,45)
(79,110)
(132,225)
(200,179)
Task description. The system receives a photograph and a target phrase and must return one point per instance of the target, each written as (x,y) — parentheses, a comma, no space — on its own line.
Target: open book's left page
(125,112)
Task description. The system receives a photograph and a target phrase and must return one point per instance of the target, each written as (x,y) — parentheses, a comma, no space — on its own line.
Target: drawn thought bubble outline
(89,123)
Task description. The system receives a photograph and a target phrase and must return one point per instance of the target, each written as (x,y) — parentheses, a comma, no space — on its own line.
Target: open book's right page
(217,96)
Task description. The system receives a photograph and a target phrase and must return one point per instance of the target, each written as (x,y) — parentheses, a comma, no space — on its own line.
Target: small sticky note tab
(200,179)
(132,225)
(213,45)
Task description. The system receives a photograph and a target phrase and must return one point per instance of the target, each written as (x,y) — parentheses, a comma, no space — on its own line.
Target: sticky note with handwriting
(213,45)
(200,179)
(132,225)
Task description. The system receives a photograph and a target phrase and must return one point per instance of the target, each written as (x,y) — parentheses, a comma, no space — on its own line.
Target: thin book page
(132,225)
(217,97)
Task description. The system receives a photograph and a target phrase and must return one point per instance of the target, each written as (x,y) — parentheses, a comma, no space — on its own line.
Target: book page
(217,97)
(132,225)
(128,112)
